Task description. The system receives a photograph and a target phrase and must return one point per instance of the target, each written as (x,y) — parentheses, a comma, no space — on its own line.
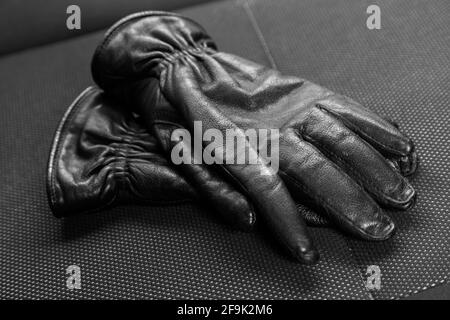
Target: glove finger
(312,218)
(307,172)
(274,203)
(358,159)
(379,132)
(391,121)
(406,165)
(231,204)
(264,187)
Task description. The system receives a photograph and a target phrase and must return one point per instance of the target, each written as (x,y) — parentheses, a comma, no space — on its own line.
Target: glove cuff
(62,180)
(139,44)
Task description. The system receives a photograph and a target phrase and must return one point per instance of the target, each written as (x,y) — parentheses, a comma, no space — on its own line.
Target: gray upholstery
(25,24)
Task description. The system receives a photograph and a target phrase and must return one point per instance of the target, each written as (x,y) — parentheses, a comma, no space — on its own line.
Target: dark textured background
(25,24)
(401,71)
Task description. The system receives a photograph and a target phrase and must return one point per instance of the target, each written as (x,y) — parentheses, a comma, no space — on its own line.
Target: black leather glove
(332,150)
(102,156)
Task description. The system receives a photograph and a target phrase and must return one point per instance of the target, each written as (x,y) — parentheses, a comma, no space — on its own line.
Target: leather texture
(333,151)
(102,157)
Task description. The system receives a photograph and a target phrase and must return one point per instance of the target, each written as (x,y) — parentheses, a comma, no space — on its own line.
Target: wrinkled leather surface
(103,156)
(331,148)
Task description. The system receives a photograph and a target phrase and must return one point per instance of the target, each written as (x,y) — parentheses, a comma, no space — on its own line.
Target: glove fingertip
(380,230)
(307,256)
(246,222)
(409,164)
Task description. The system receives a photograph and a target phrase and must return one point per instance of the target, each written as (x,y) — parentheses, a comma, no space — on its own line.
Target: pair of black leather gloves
(160,72)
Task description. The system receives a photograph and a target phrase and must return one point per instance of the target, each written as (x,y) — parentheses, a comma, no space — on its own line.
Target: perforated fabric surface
(401,71)
(25,24)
